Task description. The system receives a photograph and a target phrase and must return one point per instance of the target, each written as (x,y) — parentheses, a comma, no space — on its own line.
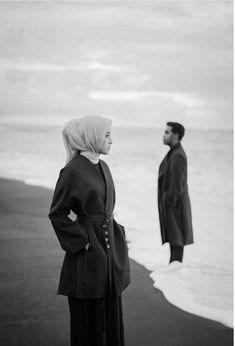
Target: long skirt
(97,322)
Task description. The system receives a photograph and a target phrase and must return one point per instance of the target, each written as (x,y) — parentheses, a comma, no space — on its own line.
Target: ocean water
(204,283)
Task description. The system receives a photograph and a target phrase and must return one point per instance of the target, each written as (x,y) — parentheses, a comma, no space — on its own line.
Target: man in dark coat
(173,199)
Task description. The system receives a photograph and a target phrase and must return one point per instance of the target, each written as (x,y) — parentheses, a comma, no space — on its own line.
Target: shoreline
(31,259)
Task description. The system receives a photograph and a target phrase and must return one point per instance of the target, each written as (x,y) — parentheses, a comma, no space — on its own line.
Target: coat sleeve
(177,179)
(72,236)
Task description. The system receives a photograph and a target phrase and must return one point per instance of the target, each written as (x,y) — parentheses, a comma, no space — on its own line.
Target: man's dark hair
(177,128)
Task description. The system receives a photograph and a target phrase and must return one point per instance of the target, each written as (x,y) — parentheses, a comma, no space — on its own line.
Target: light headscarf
(86,134)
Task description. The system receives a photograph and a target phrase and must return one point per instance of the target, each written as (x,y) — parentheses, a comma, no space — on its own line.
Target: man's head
(173,134)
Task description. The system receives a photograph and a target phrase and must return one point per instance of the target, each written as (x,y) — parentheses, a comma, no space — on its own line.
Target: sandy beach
(32,314)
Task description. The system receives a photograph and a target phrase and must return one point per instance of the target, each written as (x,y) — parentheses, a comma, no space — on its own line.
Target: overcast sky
(141,63)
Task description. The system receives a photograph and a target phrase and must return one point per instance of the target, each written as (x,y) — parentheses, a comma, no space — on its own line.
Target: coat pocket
(122,228)
(164,209)
(82,260)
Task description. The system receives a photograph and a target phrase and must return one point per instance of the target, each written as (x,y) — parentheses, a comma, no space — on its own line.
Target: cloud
(44,67)
(95,65)
(120,95)
(30,67)
(184,99)
(167,55)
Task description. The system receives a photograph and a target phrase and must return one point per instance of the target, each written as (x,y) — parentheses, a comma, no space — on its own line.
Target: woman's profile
(96,265)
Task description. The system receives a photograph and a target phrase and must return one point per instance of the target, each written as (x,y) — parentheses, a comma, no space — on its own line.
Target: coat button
(106,239)
(106,232)
(104,225)
(108,246)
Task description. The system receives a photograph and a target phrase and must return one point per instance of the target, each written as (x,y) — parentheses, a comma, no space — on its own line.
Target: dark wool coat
(173,199)
(84,272)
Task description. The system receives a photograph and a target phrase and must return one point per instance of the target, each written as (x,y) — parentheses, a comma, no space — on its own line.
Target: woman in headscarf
(96,266)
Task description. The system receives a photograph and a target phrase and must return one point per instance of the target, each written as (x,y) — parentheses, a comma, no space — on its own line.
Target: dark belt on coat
(103,219)
(100,218)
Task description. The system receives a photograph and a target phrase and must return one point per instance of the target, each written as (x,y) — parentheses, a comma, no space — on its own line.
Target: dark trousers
(97,322)
(176,253)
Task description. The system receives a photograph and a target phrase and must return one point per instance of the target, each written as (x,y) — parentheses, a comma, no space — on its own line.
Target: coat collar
(163,165)
(176,146)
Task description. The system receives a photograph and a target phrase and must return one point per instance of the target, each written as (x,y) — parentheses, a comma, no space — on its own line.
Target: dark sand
(32,314)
